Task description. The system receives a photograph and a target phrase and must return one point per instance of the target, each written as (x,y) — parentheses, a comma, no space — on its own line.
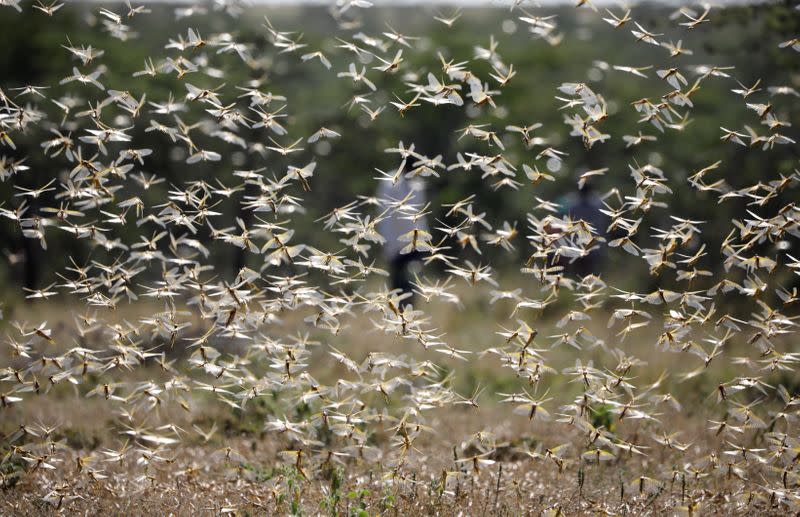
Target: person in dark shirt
(585,204)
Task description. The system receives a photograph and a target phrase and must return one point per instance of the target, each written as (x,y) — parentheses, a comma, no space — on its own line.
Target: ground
(240,469)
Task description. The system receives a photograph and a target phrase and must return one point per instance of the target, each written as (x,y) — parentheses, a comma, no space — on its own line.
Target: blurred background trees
(745,37)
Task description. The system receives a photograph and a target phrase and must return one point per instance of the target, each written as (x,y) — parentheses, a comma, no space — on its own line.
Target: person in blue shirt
(585,204)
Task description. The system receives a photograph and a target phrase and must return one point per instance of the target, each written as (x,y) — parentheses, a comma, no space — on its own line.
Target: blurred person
(394,225)
(585,204)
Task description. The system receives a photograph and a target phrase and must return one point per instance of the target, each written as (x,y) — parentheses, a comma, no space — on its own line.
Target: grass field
(240,469)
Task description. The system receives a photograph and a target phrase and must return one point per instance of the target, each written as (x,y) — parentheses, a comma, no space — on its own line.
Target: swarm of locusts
(389,420)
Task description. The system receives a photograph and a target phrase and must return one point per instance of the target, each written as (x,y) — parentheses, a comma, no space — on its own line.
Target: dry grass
(194,477)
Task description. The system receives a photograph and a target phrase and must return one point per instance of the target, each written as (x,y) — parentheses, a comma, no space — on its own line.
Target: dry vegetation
(226,461)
